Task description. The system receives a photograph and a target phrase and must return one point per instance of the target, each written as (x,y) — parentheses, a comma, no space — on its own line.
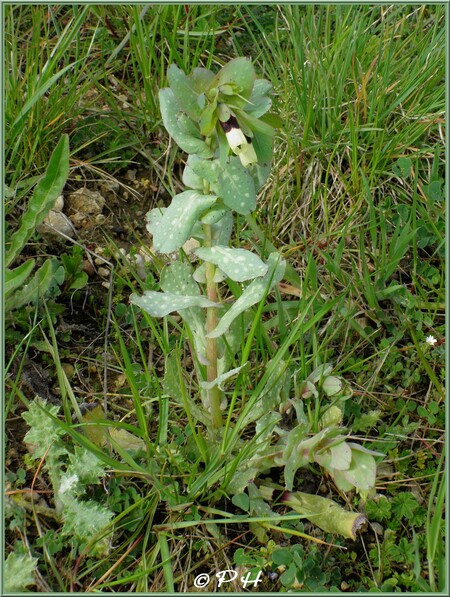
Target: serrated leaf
(160,304)
(174,227)
(236,187)
(18,573)
(85,520)
(252,294)
(46,277)
(182,88)
(43,432)
(169,112)
(88,468)
(238,264)
(43,199)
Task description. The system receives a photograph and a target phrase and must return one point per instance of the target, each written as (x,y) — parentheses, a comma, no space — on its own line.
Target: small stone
(82,205)
(86,201)
(100,219)
(103,271)
(190,246)
(130,175)
(56,223)
(88,267)
(59,204)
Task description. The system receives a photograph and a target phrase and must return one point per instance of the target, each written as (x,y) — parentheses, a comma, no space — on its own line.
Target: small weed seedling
(222,122)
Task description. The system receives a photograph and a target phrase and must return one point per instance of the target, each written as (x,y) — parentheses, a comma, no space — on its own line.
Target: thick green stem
(214,394)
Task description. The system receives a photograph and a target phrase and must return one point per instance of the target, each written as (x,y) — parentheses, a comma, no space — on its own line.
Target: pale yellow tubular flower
(248,156)
(236,140)
(241,147)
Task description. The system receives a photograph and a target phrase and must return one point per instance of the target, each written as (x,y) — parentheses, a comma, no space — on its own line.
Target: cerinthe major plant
(222,122)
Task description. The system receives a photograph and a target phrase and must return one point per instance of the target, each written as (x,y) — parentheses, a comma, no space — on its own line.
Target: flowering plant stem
(214,393)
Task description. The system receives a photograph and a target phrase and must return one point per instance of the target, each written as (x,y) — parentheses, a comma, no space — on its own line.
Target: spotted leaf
(183,90)
(254,292)
(236,187)
(159,304)
(238,264)
(174,227)
(170,111)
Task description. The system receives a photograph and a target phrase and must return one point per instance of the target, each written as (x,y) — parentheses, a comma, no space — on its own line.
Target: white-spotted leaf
(207,169)
(200,79)
(169,112)
(174,228)
(238,264)
(159,304)
(236,187)
(208,385)
(177,278)
(183,90)
(259,102)
(215,214)
(239,71)
(200,275)
(252,294)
